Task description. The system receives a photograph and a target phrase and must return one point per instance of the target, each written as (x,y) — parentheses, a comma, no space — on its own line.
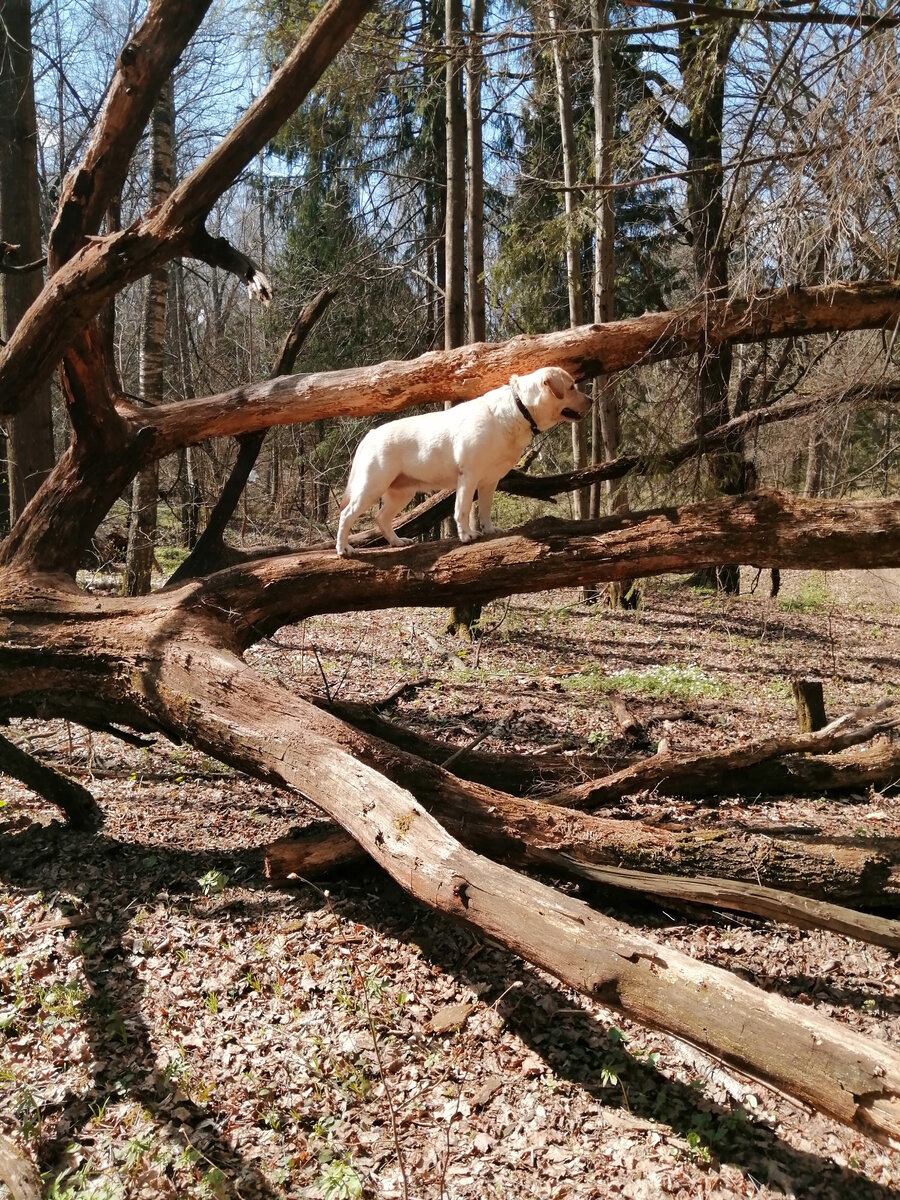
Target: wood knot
(461,889)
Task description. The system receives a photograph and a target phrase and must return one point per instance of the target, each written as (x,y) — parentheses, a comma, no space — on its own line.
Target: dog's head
(550,395)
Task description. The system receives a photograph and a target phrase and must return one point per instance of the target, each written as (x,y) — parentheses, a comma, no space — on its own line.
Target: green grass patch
(670,680)
(811,595)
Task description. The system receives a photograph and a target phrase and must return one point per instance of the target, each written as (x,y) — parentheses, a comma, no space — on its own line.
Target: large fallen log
(255,725)
(764,529)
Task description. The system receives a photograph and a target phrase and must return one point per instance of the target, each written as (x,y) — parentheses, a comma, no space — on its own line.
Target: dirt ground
(173,1025)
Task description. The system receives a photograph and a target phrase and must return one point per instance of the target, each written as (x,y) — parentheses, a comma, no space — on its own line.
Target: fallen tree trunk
(527,833)
(454,375)
(764,529)
(254,726)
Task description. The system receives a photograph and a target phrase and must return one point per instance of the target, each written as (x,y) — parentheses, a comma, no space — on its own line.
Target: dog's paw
(400,542)
(345,551)
(491,530)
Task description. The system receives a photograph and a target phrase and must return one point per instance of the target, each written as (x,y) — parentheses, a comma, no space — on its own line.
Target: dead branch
(81,809)
(143,66)
(219,252)
(324,848)
(729,772)
(803,912)
(209,553)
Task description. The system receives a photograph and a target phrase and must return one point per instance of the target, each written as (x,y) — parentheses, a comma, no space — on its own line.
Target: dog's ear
(551,379)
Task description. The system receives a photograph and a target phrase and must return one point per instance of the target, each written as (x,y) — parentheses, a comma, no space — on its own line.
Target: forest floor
(173,1025)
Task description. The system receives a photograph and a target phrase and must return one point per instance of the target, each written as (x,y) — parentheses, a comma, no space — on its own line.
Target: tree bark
(29,443)
(810,701)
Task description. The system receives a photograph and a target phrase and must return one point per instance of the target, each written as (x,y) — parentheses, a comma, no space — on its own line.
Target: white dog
(469,448)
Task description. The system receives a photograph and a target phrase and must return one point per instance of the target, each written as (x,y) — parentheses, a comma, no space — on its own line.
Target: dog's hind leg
(354,504)
(395,499)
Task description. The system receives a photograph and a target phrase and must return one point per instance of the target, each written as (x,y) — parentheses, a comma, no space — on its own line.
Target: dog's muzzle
(571,415)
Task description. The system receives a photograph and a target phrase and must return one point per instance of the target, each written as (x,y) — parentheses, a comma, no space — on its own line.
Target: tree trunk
(606,426)
(145,493)
(455,282)
(810,702)
(475,157)
(703,59)
(581,499)
(464,618)
(29,442)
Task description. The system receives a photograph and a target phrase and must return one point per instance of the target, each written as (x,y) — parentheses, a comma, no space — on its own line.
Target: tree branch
(470,371)
(219,252)
(209,553)
(143,66)
(99,270)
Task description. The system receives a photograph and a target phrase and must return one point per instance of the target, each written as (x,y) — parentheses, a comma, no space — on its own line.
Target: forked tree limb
(253,725)
(162,670)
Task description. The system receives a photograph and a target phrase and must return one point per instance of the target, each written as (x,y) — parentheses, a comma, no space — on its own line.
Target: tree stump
(810,703)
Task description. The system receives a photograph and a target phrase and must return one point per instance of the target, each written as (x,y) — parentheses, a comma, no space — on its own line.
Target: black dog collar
(523,410)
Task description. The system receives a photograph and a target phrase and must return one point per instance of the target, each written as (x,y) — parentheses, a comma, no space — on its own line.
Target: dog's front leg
(465,497)
(485,500)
